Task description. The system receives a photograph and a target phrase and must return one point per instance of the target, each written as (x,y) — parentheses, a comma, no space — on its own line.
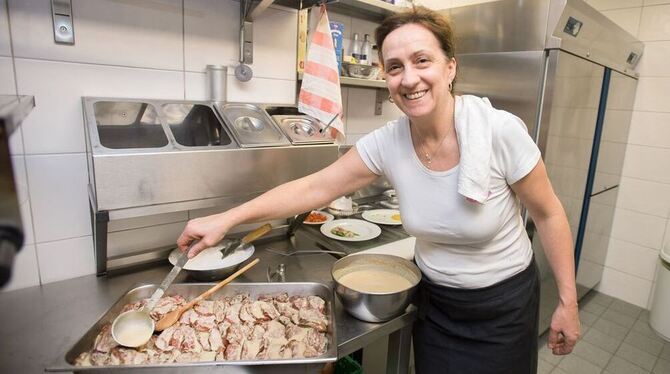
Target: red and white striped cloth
(320,95)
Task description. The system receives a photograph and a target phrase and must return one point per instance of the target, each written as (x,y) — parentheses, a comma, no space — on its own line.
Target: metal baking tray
(190,291)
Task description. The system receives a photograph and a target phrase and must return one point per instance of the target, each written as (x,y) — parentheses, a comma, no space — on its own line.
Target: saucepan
(375,287)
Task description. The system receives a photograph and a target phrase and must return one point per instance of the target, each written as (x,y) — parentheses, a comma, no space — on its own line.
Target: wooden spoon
(172,317)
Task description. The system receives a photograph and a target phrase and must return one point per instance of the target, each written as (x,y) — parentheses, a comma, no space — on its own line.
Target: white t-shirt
(459,243)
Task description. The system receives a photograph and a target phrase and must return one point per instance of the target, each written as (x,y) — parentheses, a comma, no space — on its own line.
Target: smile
(415,95)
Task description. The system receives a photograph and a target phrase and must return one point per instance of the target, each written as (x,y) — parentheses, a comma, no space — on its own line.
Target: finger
(553,338)
(183,241)
(197,248)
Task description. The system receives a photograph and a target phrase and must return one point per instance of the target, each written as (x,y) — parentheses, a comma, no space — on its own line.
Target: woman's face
(417,71)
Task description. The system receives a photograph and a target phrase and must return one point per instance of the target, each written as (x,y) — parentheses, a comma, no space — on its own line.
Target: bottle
(356,49)
(366,51)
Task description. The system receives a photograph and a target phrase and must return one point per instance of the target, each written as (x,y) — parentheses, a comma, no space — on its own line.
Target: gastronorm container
(302,129)
(192,290)
(251,125)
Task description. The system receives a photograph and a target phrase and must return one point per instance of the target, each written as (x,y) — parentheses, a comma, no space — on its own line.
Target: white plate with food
(383,216)
(350,230)
(317,217)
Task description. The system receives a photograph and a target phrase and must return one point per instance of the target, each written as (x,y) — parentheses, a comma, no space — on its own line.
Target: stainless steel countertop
(39,324)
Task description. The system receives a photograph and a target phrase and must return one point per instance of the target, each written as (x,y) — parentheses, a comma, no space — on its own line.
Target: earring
(450,86)
(391,99)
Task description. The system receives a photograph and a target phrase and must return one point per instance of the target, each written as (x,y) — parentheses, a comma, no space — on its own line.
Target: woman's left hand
(564,329)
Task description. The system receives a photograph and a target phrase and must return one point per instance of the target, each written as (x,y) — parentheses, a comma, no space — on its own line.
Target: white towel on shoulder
(474,118)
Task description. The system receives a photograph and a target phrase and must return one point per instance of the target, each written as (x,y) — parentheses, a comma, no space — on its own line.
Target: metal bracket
(380,96)
(63,26)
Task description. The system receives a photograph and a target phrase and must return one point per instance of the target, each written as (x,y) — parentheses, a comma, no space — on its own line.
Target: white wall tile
(275,44)
(7,86)
(211,29)
(55,124)
(257,90)
(25,272)
(650,129)
(654,59)
(656,2)
(361,117)
(65,259)
(126,33)
(666,239)
(650,94)
(58,194)
(16,143)
(632,259)
(625,287)
(628,19)
(5,46)
(644,162)
(129,241)
(614,4)
(23,196)
(655,23)
(263,90)
(644,196)
(638,228)
(212,37)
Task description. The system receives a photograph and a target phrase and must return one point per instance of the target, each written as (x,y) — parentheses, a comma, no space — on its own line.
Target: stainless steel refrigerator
(568,72)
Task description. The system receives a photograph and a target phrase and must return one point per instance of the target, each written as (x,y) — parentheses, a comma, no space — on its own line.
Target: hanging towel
(320,95)
(474,118)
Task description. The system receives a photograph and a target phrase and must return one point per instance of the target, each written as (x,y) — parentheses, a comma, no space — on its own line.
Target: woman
(480,289)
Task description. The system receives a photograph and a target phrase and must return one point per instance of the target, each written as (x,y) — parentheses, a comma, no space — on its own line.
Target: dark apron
(480,331)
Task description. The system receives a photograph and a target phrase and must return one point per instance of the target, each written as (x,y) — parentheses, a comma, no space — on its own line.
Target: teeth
(416,95)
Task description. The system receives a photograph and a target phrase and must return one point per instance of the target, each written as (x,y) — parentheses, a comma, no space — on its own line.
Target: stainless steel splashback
(149,157)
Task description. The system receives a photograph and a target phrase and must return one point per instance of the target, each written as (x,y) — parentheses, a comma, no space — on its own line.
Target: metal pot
(379,306)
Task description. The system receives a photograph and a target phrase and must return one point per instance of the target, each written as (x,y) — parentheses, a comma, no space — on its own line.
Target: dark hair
(438,24)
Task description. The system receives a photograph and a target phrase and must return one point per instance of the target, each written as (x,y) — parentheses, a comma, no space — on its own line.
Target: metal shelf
(357,82)
(373,10)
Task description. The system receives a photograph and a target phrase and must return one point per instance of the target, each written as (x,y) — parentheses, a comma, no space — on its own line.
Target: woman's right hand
(209,231)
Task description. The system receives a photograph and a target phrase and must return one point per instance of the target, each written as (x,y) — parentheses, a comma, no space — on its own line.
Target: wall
(135,49)
(642,218)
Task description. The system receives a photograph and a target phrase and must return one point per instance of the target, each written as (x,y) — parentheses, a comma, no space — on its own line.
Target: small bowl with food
(317,217)
(375,287)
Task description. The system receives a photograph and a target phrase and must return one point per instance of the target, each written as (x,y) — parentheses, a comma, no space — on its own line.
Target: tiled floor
(616,339)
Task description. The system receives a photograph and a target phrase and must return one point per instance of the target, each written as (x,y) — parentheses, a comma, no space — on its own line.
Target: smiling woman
(461,169)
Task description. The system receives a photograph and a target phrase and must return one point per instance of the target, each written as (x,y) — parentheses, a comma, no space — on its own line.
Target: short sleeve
(515,151)
(370,148)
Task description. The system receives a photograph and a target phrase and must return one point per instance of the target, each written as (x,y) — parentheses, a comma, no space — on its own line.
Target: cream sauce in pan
(375,280)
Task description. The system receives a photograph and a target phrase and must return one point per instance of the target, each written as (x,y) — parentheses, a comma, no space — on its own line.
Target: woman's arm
(537,195)
(342,177)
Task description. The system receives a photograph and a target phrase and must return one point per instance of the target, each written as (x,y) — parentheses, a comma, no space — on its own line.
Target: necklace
(429,156)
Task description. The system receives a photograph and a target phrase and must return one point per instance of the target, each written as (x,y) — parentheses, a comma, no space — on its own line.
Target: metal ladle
(135,327)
